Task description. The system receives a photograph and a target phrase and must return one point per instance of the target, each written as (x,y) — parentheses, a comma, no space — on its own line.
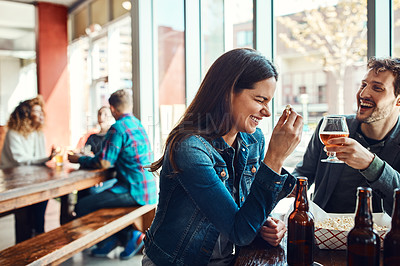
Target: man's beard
(377,114)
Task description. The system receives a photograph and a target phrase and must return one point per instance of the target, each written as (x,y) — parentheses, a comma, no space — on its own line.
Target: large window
(212,32)
(396,28)
(80,80)
(239,23)
(171,65)
(100,64)
(321,51)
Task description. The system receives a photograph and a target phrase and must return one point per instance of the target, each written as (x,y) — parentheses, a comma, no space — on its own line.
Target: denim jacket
(196,205)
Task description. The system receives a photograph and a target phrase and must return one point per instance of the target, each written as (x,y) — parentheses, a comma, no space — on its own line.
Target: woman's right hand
(285,138)
(53,152)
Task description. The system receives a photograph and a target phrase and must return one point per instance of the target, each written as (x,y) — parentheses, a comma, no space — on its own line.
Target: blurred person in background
(126,147)
(94,144)
(371,154)
(24,144)
(104,119)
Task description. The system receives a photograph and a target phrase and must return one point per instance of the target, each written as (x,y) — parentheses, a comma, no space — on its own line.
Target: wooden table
(25,185)
(261,253)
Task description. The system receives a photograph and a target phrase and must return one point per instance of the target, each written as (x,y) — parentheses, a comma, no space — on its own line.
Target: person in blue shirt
(126,147)
(218,185)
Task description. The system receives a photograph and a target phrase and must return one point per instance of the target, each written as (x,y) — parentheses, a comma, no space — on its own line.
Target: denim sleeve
(201,182)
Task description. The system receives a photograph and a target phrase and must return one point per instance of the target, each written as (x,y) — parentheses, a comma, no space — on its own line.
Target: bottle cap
(301,179)
(364,190)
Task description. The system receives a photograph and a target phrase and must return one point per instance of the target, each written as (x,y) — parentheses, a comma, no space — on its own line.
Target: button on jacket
(197,204)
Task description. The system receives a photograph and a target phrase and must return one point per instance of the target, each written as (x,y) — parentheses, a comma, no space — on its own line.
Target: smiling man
(372,151)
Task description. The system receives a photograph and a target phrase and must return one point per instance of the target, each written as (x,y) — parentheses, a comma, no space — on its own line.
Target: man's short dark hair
(390,64)
(121,99)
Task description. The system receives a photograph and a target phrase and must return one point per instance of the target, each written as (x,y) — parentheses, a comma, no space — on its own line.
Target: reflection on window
(320,50)
(171,64)
(212,32)
(240,13)
(244,38)
(80,80)
(120,55)
(396,28)
(99,58)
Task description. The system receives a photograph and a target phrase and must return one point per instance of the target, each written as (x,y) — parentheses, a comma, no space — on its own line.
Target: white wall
(16,84)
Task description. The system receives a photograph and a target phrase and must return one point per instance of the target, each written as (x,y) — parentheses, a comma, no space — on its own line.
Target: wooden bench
(56,246)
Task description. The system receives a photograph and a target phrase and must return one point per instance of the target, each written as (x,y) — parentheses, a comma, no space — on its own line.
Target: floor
(52,221)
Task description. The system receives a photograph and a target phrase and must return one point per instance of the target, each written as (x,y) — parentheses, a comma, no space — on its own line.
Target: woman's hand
(273,231)
(53,152)
(285,138)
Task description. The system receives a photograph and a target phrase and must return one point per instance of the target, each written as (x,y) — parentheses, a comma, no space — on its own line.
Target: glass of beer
(59,158)
(333,126)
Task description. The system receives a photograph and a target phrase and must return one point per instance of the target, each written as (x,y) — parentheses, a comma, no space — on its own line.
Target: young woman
(217,187)
(105,120)
(95,144)
(24,144)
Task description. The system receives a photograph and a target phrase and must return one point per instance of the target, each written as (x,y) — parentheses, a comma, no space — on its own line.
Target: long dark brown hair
(20,119)
(209,114)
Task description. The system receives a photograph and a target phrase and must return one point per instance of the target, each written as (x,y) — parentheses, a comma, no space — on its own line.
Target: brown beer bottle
(363,242)
(300,241)
(391,244)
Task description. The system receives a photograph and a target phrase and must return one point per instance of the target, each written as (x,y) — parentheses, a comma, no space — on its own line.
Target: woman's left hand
(273,231)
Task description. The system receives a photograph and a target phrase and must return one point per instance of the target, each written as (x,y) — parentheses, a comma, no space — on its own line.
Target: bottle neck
(363,214)
(396,213)
(301,202)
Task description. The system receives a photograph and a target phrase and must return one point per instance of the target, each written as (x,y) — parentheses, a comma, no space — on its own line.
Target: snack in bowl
(331,233)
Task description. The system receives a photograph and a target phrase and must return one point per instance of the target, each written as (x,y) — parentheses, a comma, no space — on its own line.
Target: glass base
(331,160)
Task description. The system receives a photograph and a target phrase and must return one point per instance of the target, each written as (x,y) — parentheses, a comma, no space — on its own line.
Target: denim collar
(245,140)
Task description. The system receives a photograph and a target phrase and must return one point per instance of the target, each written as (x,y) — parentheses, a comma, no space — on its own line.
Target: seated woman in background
(24,144)
(94,145)
(217,183)
(104,119)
